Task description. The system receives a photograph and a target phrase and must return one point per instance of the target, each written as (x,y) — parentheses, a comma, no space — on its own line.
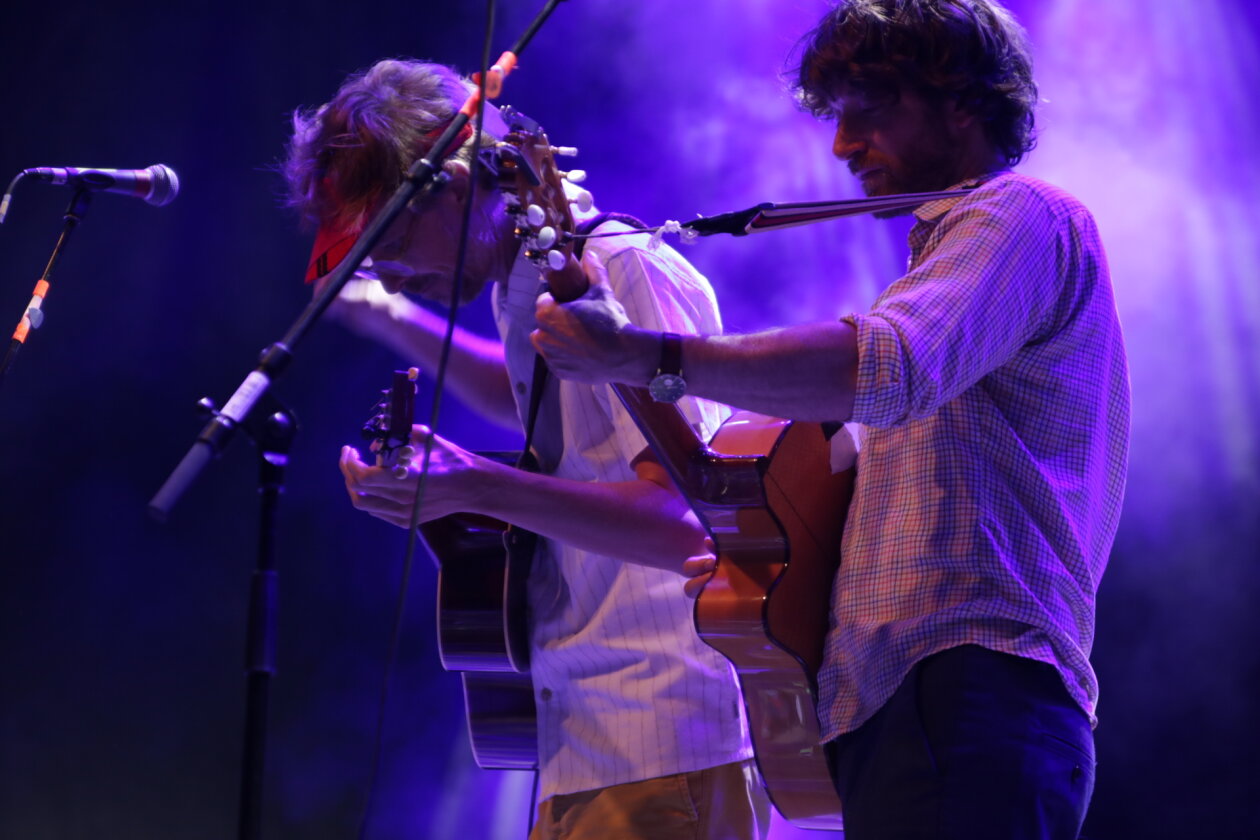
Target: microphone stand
(33,317)
(274,434)
(272,430)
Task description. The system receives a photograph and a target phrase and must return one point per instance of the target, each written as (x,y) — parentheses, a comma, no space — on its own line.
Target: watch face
(667,387)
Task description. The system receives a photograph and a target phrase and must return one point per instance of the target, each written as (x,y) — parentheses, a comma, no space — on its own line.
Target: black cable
(434,413)
(8,194)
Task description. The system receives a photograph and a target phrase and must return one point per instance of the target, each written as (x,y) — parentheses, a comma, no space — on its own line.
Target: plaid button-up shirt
(993,399)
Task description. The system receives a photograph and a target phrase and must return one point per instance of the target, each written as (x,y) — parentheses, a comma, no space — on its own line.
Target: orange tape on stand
(494,82)
(34,315)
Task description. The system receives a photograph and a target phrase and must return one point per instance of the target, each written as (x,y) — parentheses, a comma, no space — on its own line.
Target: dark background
(121,639)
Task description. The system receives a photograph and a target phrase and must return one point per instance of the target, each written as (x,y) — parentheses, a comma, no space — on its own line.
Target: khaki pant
(721,803)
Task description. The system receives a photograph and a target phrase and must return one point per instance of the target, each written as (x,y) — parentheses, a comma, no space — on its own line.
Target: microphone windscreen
(163,186)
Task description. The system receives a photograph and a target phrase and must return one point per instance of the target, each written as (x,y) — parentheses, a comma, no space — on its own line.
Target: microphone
(158,185)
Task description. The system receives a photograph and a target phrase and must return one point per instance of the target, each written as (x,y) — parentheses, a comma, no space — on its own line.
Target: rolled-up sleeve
(987,288)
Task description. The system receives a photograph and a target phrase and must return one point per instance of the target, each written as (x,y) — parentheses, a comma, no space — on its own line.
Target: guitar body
(483,631)
(502,719)
(481,607)
(767,607)
(765,490)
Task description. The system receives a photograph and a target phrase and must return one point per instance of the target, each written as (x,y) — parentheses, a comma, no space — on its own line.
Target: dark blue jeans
(974,745)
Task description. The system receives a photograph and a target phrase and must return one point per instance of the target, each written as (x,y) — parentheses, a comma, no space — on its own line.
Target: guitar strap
(519,543)
(588,227)
(527,461)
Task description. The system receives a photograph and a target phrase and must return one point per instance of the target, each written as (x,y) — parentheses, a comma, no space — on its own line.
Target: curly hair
(972,52)
(348,155)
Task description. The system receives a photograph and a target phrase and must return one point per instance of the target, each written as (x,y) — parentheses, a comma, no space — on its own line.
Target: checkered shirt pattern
(993,399)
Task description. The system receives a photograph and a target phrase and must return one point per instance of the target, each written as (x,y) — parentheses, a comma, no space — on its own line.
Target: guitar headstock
(533,186)
(389,428)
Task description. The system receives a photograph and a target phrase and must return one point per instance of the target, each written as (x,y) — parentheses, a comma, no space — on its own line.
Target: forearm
(638,521)
(643,520)
(805,372)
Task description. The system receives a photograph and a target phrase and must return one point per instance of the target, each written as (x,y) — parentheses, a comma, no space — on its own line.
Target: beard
(930,162)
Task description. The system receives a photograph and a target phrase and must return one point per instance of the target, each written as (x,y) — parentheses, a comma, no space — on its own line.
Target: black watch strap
(671,354)
(667,385)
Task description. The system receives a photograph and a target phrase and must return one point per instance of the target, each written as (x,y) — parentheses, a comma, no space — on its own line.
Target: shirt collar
(933,210)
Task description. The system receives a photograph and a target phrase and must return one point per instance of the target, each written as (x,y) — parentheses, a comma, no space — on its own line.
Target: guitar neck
(704,476)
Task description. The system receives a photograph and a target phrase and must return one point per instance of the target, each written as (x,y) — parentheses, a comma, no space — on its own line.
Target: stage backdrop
(122,639)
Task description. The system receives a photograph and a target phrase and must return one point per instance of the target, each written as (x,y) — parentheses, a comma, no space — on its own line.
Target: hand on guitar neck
(544,219)
(455,481)
(591,340)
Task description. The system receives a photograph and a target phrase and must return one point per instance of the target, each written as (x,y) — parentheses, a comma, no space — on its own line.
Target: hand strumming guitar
(699,568)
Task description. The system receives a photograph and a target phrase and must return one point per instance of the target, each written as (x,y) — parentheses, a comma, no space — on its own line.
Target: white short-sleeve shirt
(625,689)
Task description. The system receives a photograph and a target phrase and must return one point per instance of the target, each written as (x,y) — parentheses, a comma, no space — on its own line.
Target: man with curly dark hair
(989,390)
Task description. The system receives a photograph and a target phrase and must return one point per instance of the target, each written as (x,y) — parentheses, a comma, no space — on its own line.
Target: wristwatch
(667,385)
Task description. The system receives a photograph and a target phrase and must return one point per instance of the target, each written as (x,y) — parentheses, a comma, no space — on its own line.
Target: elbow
(678,539)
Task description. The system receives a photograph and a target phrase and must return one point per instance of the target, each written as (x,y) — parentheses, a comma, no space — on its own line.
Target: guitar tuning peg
(583,200)
(546,237)
(574,176)
(535,215)
(406,453)
(556,259)
(564,151)
(399,472)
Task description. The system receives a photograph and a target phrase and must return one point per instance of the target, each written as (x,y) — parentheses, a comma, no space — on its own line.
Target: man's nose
(846,145)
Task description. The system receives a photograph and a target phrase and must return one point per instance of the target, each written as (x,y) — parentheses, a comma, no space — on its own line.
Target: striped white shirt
(994,397)
(625,689)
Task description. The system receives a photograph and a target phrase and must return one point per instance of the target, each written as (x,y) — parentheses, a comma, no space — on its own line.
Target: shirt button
(545,694)
(520,387)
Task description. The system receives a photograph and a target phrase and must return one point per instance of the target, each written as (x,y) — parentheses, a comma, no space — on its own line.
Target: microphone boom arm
(770,216)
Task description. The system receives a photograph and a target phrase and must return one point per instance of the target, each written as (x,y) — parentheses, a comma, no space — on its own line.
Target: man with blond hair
(641,728)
